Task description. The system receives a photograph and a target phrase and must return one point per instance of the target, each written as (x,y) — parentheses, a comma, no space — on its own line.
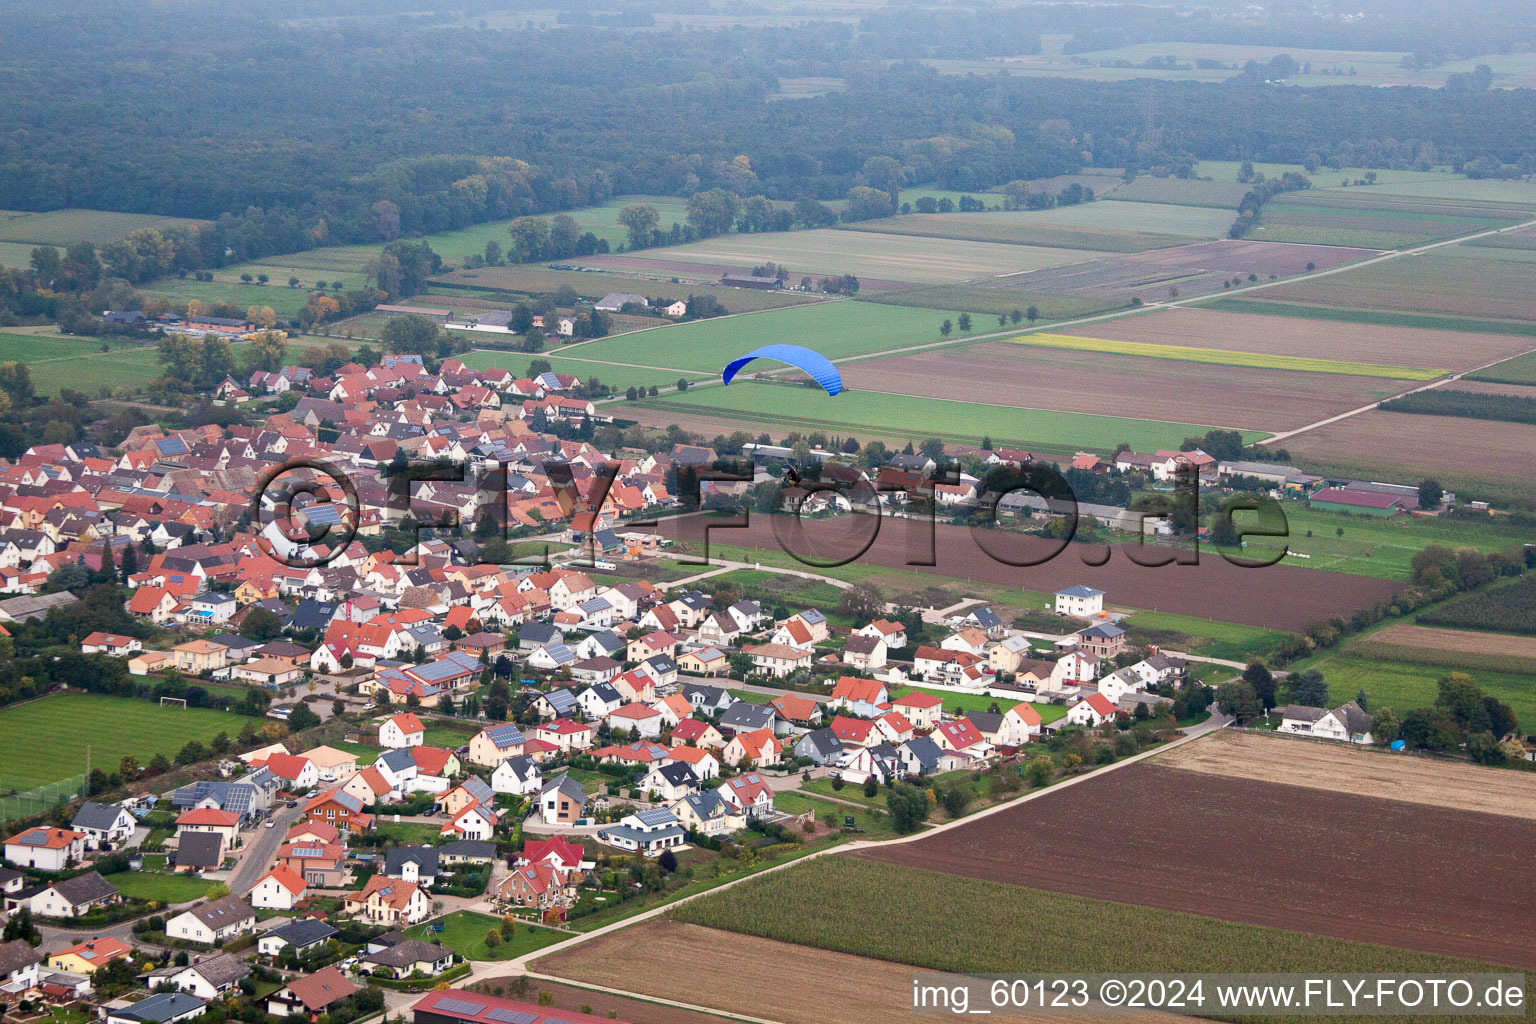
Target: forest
(291,134)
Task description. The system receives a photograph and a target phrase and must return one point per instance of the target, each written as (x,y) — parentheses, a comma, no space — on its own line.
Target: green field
(619,375)
(226,287)
(1015,228)
(979,701)
(835,329)
(879,910)
(875,823)
(1185,191)
(1403,686)
(1519,370)
(58,361)
(1209,638)
(1323,219)
(64,227)
(906,416)
(1370,545)
(980,299)
(419,833)
(146,885)
(1225,357)
(464,933)
(53,737)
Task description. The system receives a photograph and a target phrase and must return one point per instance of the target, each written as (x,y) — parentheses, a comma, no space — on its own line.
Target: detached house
(403,730)
(389,901)
(213,922)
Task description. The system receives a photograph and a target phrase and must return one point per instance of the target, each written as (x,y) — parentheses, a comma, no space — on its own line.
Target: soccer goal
(173,702)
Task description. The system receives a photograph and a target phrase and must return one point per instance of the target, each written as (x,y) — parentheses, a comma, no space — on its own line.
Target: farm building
(1365,503)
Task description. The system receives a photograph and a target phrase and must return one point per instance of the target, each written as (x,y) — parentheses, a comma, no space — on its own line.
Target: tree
(1308,687)
(946,327)
(955,799)
(1032,314)
(493,938)
(1238,700)
(641,221)
(862,602)
(871,787)
(1040,770)
(667,861)
(712,213)
(1263,683)
(908,806)
(411,334)
(1431,494)
(302,717)
(261,624)
(1430,729)
(864,203)
(21,926)
(963,321)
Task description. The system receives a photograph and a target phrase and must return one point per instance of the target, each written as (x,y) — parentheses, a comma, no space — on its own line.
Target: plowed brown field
(1277,597)
(1412,447)
(1157,389)
(1353,867)
(793,984)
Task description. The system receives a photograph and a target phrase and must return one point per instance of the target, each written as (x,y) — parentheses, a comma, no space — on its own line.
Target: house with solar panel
(390,901)
(648,832)
(49,849)
(495,744)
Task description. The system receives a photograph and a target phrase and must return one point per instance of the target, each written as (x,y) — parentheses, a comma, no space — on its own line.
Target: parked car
(268,823)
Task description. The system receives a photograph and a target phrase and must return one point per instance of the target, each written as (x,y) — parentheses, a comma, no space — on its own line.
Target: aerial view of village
(680,511)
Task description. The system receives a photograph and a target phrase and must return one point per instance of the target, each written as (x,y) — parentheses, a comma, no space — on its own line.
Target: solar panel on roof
(460,1006)
(512,1016)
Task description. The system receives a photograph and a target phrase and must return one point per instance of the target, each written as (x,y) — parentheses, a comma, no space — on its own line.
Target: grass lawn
(59,361)
(978,701)
(835,329)
(408,832)
(1222,357)
(146,885)
(876,826)
(49,739)
(590,781)
(447,734)
(1210,638)
(914,418)
(464,933)
(1402,686)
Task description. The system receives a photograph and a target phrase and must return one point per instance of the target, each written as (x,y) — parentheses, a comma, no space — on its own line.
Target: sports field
(866,414)
(52,738)
(863,254)
(835,329)
(1186,353)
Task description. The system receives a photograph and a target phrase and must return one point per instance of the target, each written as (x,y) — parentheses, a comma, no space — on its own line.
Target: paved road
(256,855)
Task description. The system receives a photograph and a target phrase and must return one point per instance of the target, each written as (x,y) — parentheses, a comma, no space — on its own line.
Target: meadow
(59,361)
(64,227)
(905,416)
(1184,191)
(53,737)
(226,286)
(1519,370)
(885,911)
(978,299)
(1403,686)
(464,932)
(835,329)
(1224,357)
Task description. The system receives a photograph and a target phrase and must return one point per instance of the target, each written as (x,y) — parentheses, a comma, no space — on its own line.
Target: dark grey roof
(824,741)
(566,785)
(424,857)
(925,750)
(468,848)
(18,954)
(96,816)
(84,888)
(744,716)
(159,1007)
(676,773)
(199,850)
(222,969)
(407,952)
(985,722)
(223,911)
(985,617)
(304,933)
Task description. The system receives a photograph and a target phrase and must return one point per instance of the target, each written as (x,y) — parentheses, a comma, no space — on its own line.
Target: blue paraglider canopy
(814,363)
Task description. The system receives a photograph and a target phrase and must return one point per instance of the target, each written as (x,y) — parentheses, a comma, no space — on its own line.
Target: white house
(1347,723)
(49,849)
(104,823)
(1080,602)
(217,920)
(279,889)
(519,775)
(403,730)
(1092,710)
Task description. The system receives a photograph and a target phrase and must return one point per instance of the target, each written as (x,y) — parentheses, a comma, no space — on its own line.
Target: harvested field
(978,298)
(1450,649)
(1014,228)
(1477,386)
(811,986)
(867,255)
(1320,339)
(1339,768)
(1278,597)
(1159,389)
(1182,840)
(1186,270)
(1223,357)
(1443,281)
(573,998)
(1410,447)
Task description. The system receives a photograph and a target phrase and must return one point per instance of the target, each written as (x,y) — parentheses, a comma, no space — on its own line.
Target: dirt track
(1338,768)
(1277,597)
(1353,867)
(758,977)
(1144,388)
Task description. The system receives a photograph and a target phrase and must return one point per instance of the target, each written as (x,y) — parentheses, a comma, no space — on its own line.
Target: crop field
(1403,686)
(1519,370)
(1387,222)
(64,227)
(1297,337)
(1183,271)
(1453,649)
(1224,195)
(835,329)
(1516,193)
(1412,447)
(1381,318)
(1225,357)
(528,278)
(860,904)
(1190,836)
(44,737)
(894,415)
(1452,280)
(1280,597)
(867,255)
(1153,389)
(1016,229)
(1359,771)
(979,298)
(1507,607)
(1472,405)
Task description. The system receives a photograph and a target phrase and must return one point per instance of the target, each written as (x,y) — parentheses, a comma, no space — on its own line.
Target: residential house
(1080,602)
(104,824)
(408,957)
(305,936)
(389,901)
(865,698)
(310,996)
(778,660)
(649,832)
(278,889)
(562,801)
(494,744)
(403,730)
(47,849)
(518,775)
(214,922)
